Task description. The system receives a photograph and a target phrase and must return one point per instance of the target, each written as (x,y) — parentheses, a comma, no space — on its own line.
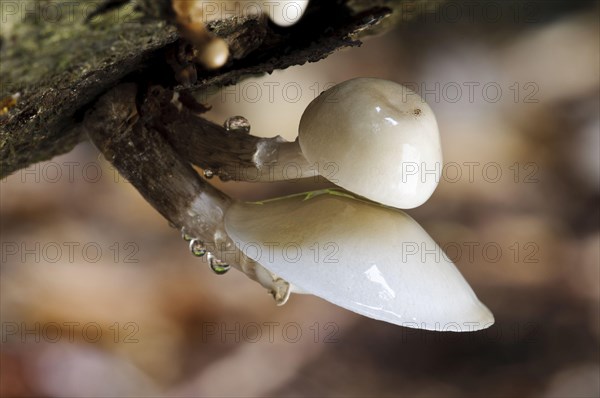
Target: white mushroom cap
(367,258)
(381,139)
(286,12)
(214,54)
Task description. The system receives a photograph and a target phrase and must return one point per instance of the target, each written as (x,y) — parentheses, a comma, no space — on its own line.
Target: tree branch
(230,155)
(128,139)
(57,84)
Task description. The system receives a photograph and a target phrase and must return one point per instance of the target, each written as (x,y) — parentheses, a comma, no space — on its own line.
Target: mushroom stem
(232,155)
(131,142)
(276,160)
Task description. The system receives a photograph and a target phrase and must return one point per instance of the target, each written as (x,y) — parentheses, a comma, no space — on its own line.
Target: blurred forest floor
(99,297)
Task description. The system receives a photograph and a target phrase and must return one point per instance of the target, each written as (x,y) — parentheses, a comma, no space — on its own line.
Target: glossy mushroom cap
(287,12)
(370,259)
(380,138)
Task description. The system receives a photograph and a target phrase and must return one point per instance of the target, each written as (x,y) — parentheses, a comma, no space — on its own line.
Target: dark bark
(138,151)
(60,68)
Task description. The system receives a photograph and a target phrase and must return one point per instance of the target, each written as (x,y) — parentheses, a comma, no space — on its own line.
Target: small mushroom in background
(381,137)
(211,51)
(287,12)
(364,257)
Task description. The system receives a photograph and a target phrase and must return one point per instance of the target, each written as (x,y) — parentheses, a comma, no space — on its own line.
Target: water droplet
(185,236)
(208,174)
(197,248)
(224,176)
(237,124)
(218,267)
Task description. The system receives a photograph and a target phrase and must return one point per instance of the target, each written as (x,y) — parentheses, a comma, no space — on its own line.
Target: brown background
(168,326)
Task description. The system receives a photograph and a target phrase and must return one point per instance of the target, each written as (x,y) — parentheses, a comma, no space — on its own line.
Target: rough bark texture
(60,61)
(150,164)
(59,66)
(131,141)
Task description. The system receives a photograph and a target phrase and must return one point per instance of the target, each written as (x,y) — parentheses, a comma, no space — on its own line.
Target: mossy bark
(59,61)
(58,64)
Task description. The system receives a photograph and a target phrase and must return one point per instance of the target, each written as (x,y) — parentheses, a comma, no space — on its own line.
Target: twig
(129,140)
(231,155)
